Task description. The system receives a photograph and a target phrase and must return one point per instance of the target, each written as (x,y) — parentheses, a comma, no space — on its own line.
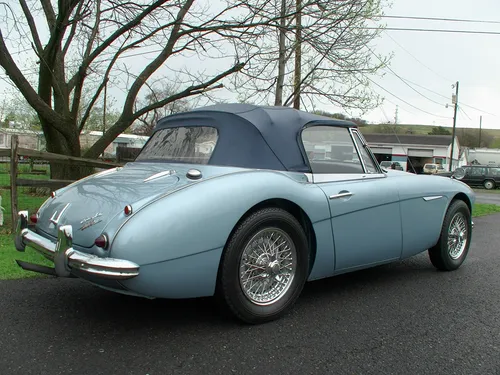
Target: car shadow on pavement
(76,302)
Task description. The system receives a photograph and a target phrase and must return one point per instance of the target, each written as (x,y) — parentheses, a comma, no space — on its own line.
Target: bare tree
(330,39)
(85,43)
(145,124)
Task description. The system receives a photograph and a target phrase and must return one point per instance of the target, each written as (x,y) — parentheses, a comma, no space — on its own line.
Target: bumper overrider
(65,258)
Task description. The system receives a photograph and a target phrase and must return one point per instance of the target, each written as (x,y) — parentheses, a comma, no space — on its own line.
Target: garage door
(420,152)
(381,150)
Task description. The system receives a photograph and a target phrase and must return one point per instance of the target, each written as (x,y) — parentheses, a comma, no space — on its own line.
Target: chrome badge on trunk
(88,222)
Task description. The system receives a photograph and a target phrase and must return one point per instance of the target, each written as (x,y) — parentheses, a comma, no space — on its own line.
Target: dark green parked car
(479,175)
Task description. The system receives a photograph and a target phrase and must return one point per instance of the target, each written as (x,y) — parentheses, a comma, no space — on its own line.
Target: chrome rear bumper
(66,258)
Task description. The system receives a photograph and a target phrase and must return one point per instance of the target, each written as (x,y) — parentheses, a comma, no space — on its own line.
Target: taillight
(127,210)
(101,241)
(34,218)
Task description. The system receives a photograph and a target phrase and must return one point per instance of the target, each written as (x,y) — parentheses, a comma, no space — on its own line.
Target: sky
(436,61)
(428,62)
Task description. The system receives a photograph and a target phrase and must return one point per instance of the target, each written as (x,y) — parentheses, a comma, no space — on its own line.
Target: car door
(364,203)
(476,176)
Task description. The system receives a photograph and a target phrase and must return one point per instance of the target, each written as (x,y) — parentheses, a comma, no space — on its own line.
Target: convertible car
(245,203)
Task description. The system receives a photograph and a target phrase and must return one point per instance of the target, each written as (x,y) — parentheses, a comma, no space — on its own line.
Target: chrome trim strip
(432,198)
(159,174)
(362,140)
(341,195)
(351,133)
(66,258)
(338,177)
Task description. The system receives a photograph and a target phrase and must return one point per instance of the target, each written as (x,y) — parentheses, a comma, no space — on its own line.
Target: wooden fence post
(14,143)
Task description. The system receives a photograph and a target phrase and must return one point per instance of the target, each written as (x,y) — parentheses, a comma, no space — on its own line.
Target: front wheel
(453,245)
(264,266)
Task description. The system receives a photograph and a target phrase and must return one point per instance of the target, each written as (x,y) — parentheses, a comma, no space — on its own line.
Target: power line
(420,62)
(414,89)
(480,110)
(447,97)
(437,74)
(465,113)
(404,81)
(404,101)
(428,89)
(434,30)
(440,19)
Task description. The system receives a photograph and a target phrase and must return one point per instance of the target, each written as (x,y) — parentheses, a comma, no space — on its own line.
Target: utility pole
(396,119)
(480,125)
(455,101)
(298,53)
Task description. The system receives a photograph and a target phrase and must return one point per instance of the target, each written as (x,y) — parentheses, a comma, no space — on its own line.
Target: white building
(87,139)
(413,151)
(484,156)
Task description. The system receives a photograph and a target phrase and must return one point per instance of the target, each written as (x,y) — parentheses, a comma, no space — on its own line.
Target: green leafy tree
(439,130)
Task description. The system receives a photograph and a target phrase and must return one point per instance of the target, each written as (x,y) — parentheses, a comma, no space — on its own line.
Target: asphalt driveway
(404,318)
(491,198)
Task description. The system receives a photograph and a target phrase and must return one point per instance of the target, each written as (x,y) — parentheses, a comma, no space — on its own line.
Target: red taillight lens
(101,241)
(127,210)
(34,218)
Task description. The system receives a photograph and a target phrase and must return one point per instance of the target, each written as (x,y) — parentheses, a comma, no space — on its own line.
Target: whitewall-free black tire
(264,266)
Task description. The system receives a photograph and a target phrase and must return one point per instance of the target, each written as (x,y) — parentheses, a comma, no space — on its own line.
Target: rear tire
(453,245)
(264,267)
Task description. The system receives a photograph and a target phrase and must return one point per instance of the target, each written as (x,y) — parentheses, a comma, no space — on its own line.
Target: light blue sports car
(246,203)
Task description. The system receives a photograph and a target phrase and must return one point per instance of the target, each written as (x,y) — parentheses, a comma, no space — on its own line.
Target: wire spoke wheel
(457,236)
(267,266)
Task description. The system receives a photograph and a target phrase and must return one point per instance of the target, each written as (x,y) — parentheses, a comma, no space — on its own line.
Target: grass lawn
(8,254)
(481,209)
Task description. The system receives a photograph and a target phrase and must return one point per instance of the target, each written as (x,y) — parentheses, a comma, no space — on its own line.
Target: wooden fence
(15,152)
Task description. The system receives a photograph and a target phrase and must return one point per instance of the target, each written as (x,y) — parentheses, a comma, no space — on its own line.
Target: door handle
(341,195)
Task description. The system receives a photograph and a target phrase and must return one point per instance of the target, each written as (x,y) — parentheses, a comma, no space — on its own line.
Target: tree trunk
(298,54)
(59,144)
(281,59)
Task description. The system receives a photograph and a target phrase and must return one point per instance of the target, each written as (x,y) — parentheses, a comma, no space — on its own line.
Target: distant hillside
(467,136)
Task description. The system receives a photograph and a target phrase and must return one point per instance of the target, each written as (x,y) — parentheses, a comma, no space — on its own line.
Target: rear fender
(196,222)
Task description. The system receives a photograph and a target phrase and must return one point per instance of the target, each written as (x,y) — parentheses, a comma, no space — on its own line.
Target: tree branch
(190,91)
(128,26)
(73,29)
(42,108)
(158,61)
(32,26)
(93,34)
(50,15)
(124,122)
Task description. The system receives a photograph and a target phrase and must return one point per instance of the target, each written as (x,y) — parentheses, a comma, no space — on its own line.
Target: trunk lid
(89,204)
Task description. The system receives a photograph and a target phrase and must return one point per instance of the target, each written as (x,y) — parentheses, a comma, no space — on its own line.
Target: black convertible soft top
(251,136)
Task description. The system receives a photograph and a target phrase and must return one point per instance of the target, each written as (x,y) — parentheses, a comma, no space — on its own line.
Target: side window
(370,166)
(330,150)
(477,171)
